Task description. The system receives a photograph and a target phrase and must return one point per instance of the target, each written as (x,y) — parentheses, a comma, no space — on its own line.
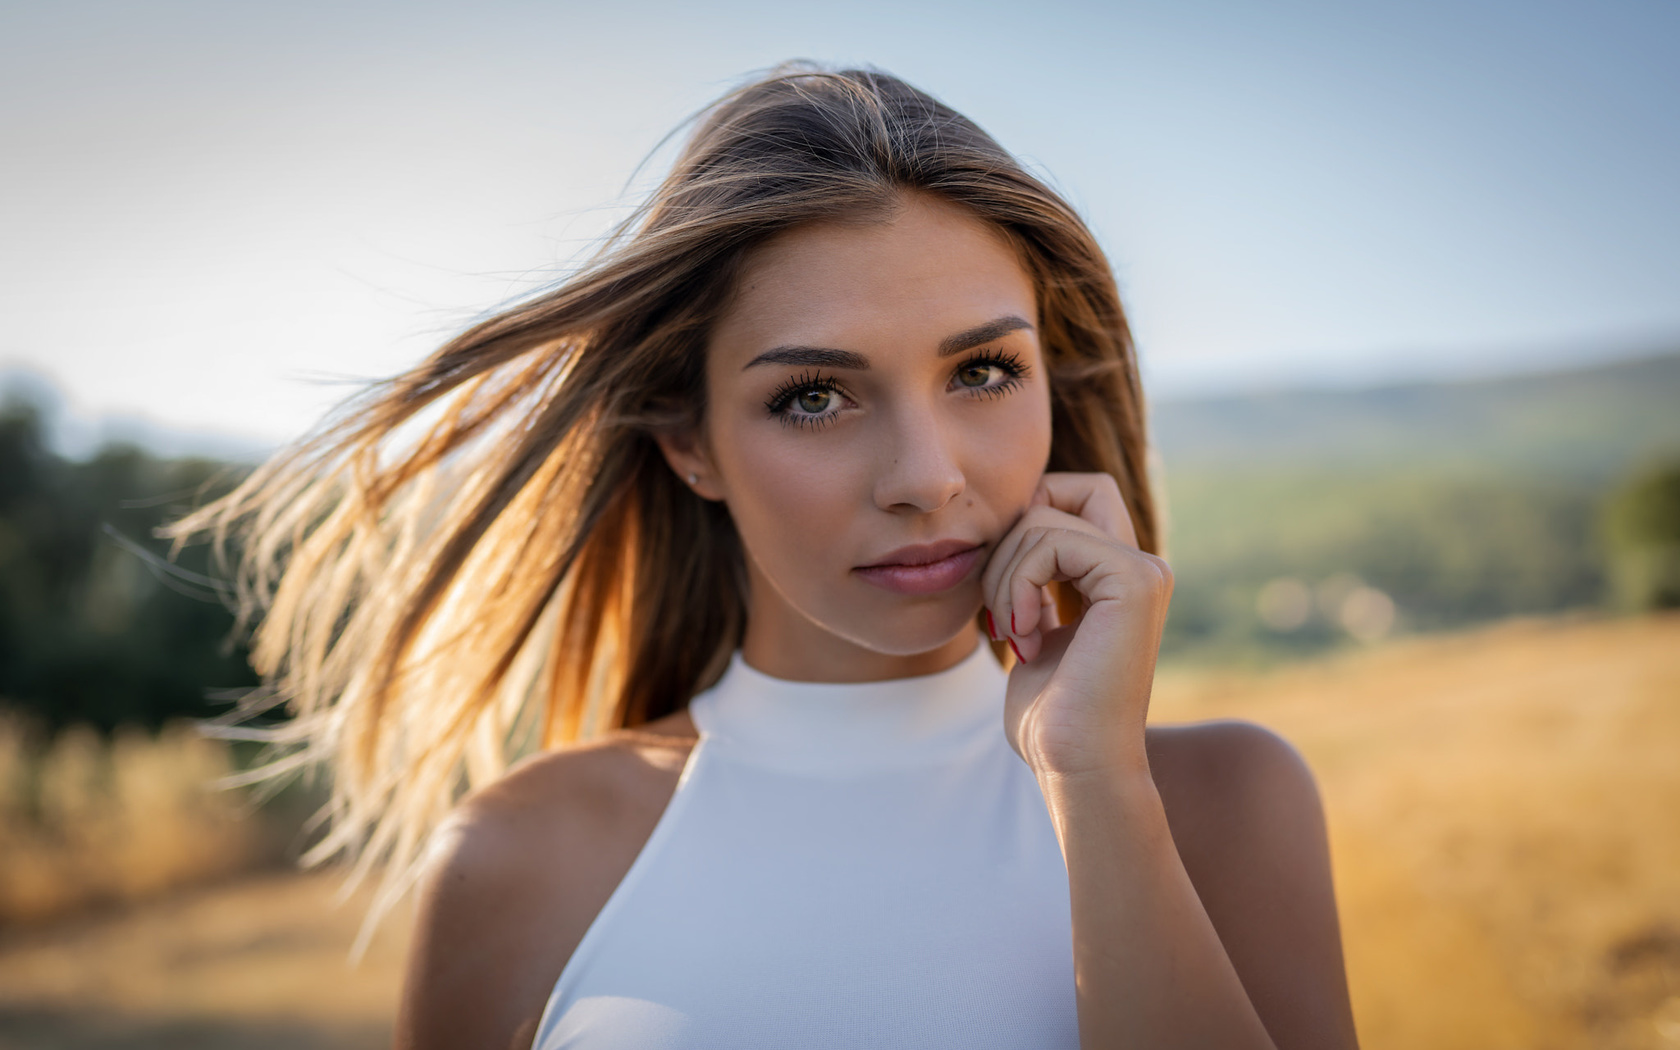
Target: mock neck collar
(837,727)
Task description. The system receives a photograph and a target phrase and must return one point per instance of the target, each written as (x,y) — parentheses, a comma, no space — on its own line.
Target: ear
(686,453)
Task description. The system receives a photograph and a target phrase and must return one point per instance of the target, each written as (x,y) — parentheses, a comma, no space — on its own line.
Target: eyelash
(1015,370)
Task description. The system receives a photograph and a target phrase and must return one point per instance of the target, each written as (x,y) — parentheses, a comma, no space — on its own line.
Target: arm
(1149,967)
(1152,967)
(1247,821)
(478,968)
(1215,873)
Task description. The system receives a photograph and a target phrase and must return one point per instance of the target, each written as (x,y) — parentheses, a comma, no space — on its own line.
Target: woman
(717,524)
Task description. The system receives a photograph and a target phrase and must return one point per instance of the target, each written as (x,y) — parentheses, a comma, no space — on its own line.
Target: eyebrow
(828,357)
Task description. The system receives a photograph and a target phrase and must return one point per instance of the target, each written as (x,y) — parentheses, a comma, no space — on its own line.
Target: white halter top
(842,866)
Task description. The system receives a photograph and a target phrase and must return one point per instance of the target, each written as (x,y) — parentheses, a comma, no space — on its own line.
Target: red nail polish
(1016,651)
(991,628)
(1012,628)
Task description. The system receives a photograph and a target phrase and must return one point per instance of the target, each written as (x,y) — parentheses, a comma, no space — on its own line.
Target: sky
(221,216)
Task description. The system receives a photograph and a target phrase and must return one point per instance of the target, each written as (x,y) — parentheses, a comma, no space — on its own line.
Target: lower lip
(931,578)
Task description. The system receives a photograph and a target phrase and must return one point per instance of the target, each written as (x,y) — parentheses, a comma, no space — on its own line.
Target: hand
(1079,694)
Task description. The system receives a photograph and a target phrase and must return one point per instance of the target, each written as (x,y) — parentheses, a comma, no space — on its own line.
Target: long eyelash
(776,404)
(1009,361)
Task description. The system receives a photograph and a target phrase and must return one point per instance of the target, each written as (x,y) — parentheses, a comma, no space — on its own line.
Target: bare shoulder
(1221,773)
(1248,824)
(517,875)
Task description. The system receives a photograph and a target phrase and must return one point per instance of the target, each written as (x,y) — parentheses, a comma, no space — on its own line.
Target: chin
(915,631)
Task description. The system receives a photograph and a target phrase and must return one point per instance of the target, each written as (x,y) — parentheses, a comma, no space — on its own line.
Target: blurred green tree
(1641,531)
(96,624)
(1448,547)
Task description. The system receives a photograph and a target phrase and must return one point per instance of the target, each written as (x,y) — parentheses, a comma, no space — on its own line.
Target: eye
(991,374)
(806,401)
(814,400)
(979,374)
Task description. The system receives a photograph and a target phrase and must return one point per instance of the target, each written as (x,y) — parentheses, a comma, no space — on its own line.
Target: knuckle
(1161,576)
(1161,566)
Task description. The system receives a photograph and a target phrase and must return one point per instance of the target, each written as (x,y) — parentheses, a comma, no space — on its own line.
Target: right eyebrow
(819,356)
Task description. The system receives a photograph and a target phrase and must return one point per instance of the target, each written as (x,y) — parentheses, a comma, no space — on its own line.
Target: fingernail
(991,628)
(1016,651)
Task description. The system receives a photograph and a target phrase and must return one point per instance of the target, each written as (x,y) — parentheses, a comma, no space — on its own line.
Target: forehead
(928,269)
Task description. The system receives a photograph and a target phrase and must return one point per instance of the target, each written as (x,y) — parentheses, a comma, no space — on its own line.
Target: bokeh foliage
(1460,502)
(96,626)
(1449,548)
(1641,532)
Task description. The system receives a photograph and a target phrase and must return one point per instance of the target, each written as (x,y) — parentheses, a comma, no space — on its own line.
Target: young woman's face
(878,417)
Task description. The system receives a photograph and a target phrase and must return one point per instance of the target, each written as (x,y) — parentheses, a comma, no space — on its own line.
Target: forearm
(1149,967)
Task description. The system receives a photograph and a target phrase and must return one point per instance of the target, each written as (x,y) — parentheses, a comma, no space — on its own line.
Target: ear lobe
(686,455)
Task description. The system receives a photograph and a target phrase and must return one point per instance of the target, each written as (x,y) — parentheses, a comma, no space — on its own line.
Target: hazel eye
(807,401)
(977,374)
(814,400)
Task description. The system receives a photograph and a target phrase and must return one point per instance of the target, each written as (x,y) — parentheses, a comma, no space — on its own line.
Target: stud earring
(693,478)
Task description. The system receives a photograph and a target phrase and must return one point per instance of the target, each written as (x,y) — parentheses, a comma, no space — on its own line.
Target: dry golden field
(1505,818)
(86,821)
(1504,811)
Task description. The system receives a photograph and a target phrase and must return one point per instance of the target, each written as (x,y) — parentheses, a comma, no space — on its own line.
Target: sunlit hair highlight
(487,554)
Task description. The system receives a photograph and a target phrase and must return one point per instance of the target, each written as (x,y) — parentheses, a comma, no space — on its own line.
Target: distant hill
(1586,424)
(1453,503)
(76,434)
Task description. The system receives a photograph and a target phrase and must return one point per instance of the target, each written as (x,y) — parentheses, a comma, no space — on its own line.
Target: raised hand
(1079,694)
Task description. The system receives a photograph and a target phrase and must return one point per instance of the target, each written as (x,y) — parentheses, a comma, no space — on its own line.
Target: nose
(920,469)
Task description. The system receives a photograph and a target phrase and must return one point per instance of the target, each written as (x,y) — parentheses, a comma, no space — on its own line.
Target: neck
(792,648)
(836,728)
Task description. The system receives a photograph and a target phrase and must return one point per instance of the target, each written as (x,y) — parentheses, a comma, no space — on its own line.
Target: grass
(1505,818)
(1504,808)
(256,964)
(87,820)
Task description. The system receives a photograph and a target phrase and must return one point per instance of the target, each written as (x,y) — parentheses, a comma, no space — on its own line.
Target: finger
(1094,498)
(992,590)
(991,578)
(1050,615)
(1026,611)
(1062,554)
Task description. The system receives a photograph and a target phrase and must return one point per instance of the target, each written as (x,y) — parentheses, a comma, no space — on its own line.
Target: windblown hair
(488,553)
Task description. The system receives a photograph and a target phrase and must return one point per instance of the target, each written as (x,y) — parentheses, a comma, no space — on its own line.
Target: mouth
(926,568)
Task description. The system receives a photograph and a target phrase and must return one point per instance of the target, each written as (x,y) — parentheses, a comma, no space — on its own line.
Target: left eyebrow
(981,333)
(821,356)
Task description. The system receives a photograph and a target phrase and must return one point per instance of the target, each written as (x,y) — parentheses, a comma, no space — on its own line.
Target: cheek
(788,493)
(1010,448)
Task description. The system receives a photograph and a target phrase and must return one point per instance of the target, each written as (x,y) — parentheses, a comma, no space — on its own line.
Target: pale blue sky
(205,204)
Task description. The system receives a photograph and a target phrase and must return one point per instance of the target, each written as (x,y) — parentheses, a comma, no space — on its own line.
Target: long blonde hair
(487,553)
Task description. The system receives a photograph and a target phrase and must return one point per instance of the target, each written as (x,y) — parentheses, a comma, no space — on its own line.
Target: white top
(842,866)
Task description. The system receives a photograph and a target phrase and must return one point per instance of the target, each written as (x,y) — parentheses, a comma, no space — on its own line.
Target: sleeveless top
(841,866)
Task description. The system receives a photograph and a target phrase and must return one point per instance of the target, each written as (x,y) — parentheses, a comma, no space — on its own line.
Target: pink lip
(923,568)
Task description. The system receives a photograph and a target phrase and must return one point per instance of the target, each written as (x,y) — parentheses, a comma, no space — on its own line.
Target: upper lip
(922,553)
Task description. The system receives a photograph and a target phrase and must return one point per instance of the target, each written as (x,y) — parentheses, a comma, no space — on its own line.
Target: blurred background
(1406,289)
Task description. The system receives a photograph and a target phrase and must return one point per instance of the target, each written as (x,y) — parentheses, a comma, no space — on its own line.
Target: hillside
(1585,424)
(1437,505)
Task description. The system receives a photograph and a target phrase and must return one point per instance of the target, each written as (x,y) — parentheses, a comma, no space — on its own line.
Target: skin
(1202,905)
